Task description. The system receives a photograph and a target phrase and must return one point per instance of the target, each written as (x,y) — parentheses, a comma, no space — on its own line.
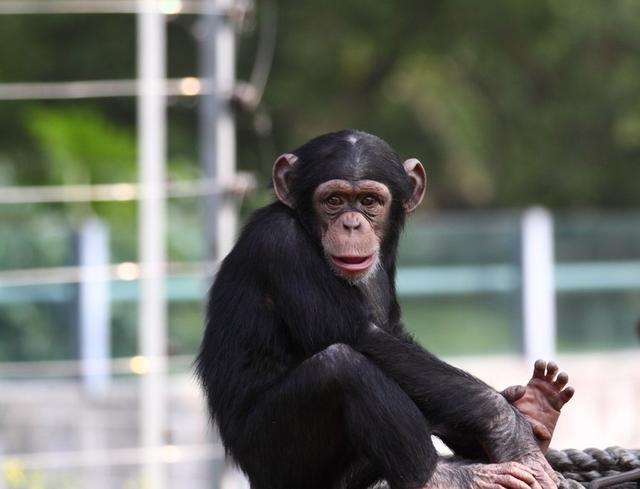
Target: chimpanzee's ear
(418,178)
(282,177)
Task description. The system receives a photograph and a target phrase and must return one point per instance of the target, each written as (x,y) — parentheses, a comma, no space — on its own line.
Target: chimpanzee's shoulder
(273,225)
(273,215)
(271,233)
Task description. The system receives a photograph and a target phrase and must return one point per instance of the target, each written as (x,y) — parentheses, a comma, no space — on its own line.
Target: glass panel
(598,277)
(458,282)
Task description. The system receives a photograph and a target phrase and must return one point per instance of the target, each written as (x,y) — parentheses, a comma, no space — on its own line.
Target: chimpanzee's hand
(509,475)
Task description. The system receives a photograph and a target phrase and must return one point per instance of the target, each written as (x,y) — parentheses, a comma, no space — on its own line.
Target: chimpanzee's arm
(317,307)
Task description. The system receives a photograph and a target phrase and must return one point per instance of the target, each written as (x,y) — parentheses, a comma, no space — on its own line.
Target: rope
(576,468)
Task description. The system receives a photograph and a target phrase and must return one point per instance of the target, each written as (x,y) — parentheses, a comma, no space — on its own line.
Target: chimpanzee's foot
(510,475)
(541,399)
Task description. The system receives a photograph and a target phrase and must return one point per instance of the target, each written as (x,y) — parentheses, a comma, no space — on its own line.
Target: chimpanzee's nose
(351,222)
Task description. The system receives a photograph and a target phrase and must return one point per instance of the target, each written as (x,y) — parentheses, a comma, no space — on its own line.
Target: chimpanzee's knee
(338,364)
(340,353)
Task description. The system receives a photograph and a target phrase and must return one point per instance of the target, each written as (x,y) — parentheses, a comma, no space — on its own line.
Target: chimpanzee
(305,362)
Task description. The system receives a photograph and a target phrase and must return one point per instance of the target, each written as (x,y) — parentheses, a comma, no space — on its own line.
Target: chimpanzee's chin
(361,277)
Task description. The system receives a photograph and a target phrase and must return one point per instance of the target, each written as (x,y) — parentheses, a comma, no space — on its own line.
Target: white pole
(152,320)
(538,288)
(225,74)
(217,138)
(94,310)
(218,134)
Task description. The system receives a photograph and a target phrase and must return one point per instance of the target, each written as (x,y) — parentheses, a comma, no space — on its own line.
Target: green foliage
(508,103)
(79,145)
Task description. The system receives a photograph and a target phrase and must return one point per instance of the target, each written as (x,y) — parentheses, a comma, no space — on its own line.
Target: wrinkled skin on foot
(510,475)
(541,400)
(541,470)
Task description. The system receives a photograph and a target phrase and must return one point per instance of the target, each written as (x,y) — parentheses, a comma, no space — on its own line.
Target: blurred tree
(508,103)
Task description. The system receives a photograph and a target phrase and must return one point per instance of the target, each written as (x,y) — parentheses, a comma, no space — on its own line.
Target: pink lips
(353,263)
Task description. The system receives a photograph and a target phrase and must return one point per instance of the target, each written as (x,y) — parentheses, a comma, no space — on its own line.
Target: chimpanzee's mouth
(353,263)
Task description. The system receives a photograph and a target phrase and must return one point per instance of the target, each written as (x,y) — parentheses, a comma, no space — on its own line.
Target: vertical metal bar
(94,311)
(152,320)
(538,288)
(225,127)
(217,137)
(217,125)
(95,339)
(207,112)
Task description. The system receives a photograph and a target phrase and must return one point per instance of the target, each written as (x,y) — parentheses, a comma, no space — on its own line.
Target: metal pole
(94,308)
(217,125)
(538,288)
(152,320)
(217,136)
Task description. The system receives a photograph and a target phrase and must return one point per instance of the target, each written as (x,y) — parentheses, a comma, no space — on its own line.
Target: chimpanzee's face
(352,219)
(352,190)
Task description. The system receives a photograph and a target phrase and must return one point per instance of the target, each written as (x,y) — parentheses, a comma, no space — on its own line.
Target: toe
(513,393)
(552,370)
(561,380)
(538,369)
(562,398)
(567,394)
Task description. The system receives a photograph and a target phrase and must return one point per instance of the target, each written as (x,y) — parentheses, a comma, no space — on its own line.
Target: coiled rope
(576,468)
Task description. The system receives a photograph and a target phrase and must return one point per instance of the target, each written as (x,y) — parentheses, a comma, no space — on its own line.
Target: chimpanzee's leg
(333,409)
(453,399)
(540,401)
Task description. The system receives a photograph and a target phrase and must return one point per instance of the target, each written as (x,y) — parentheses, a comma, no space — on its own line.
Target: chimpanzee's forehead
(351,161)
(354,169)
(351,167)
(348,155)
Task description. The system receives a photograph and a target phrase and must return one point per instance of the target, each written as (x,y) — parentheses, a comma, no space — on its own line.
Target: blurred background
(136,136)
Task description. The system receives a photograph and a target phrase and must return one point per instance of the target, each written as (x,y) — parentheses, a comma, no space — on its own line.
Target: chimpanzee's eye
(369,201)
(334,201)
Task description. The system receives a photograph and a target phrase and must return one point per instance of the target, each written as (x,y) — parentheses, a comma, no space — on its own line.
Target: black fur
(312,381)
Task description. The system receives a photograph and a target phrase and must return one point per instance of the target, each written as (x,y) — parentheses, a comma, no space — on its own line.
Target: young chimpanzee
(305,363)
